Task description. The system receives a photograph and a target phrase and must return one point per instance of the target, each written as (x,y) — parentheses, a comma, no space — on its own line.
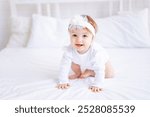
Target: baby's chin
(81,51)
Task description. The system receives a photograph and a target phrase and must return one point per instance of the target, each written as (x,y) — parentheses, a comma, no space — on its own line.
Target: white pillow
(62,31)
(47,32)
(143,14)
(124,30)
(20,31)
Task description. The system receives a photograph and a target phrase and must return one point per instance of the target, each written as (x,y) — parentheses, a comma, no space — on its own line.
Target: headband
(80,21)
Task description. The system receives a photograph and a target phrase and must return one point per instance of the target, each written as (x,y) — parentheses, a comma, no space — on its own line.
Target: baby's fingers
(95,89)
(63,86)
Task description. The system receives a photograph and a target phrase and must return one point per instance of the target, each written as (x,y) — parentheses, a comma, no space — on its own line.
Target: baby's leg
(76,69)
(109,71)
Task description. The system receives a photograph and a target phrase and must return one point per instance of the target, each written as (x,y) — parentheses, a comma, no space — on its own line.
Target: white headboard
(52,7)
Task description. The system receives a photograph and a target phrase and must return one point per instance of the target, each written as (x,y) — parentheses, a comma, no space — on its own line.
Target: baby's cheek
(88,44)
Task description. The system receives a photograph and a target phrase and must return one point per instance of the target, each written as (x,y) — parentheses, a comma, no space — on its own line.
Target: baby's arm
(97,85)
(64,72)
(98,67)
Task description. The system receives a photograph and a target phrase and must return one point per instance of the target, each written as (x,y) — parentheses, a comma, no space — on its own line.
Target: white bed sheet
(32,74)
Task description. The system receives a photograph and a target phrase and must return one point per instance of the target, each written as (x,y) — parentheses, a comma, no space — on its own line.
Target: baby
(84,56)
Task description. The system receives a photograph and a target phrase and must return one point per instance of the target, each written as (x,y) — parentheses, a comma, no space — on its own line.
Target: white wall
(4,22)
(65,9)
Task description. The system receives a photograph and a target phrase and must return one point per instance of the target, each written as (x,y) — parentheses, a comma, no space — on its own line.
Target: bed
(29,70)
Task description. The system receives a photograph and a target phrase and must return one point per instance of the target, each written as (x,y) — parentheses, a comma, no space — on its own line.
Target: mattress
(27,73)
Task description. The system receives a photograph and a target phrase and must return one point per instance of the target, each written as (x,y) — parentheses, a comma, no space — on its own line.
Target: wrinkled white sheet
(32,74)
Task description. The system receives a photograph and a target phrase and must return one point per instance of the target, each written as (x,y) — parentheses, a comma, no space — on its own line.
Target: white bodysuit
(94,59)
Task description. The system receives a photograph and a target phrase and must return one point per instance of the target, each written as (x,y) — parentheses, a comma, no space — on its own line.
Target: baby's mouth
(79,45)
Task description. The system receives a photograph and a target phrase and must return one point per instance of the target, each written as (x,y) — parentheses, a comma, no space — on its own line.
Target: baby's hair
(92,22)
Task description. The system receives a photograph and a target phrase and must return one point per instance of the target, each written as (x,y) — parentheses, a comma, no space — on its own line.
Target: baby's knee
(109,73)
(75,66)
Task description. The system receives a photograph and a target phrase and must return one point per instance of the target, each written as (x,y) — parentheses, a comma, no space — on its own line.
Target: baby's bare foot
(87,73)
(74,76)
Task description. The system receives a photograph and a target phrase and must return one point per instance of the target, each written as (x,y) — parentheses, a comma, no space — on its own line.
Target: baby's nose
(79,39)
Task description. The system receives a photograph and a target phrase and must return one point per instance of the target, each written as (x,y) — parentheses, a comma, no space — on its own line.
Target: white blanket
(33,73)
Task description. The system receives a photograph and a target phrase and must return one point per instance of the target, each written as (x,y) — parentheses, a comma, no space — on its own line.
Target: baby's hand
(63,86)
(95,89)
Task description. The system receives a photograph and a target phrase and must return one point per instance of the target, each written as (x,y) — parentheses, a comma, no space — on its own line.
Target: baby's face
(81,39)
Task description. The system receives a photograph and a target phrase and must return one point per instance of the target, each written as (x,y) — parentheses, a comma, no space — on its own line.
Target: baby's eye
(74,35)
(85,36)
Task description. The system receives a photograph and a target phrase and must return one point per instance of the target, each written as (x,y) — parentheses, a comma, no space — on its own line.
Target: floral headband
(80,21)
